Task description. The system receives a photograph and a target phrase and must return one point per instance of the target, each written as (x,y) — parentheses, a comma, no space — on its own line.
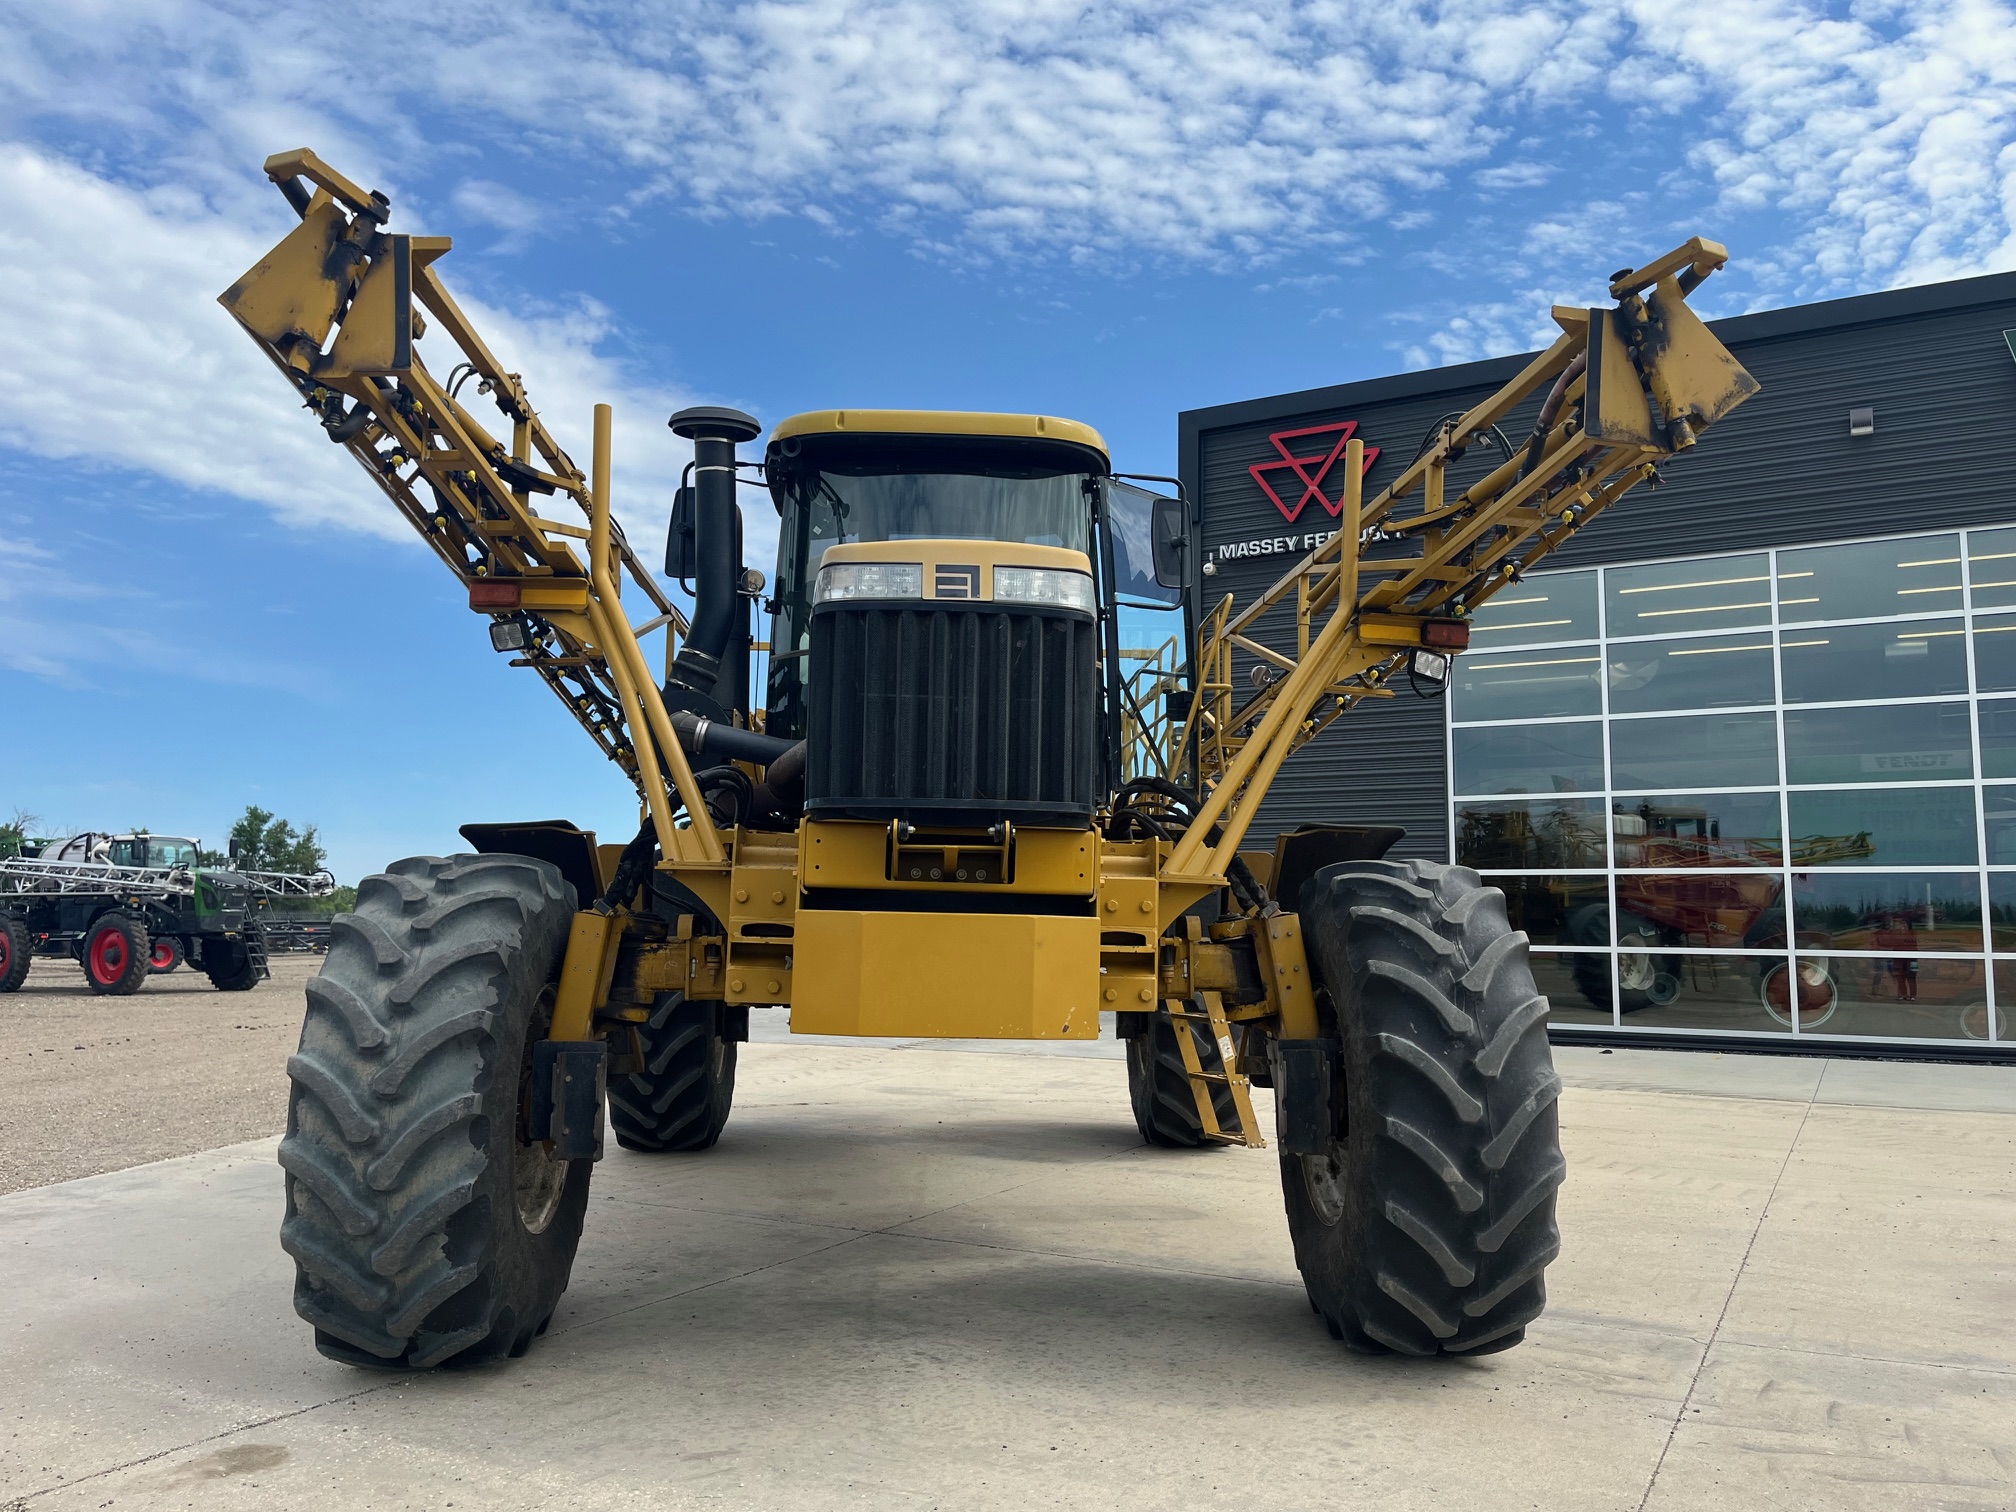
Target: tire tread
(1450,1156)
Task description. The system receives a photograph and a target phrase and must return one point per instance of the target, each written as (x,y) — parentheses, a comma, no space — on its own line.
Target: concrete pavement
(948,1279)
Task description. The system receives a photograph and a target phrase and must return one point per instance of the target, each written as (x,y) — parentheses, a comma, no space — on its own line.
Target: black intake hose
(716,536)
(781,793)
(707,737)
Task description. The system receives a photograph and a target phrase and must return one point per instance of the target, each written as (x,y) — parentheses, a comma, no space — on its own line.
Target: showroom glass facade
(1768,792)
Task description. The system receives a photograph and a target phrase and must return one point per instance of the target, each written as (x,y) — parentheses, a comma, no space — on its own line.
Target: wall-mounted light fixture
(1862,422)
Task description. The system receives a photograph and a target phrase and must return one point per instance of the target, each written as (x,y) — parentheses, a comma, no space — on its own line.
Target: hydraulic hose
(1550,411)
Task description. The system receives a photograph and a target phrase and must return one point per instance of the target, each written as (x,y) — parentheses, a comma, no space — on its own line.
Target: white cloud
(120,356)
(1516,175)
(1886,133)
(1002,127)
(1873,146)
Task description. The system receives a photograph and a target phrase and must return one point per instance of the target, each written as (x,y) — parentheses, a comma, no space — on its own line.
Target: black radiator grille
(953,714)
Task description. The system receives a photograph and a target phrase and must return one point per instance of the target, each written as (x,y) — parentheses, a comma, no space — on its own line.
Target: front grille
(953,714)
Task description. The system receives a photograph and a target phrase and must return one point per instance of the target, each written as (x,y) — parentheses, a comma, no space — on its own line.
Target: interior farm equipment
(125,907)
(960,810)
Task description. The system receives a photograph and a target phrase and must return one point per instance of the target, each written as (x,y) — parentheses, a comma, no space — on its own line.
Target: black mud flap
(569,1081)
(1305,1074)
(1301,853)
(554,840)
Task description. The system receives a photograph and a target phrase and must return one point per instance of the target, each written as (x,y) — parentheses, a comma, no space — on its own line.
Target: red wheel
(116,955)
(165,954)
(14,953)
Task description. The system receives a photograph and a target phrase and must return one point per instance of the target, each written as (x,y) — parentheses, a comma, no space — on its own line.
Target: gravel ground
(90,1083)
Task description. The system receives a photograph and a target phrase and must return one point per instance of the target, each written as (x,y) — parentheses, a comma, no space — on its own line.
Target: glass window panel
(1991,565)
(1908,827)
(2005,1001)
(1694,750)
(1556,758)
(1704,673)
(1559,832)
(1527,684)
(1898,996)
(1998,811)
(1574,985)
(1870,579)
(1892,743)
(1551,606)
(1696,829)
(1876,661)
(1700,595)
(1906,912)
(1558,910)
(2002,918)
(1998,738)
(1995,654)
(1725,993)
(1729,910)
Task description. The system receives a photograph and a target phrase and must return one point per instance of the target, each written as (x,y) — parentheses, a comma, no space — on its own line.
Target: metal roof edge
(1762,325)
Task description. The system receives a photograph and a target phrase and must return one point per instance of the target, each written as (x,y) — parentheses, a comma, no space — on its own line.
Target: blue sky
(1111,212)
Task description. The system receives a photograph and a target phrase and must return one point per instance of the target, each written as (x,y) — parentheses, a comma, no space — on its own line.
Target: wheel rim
(538,1180)
(6,952)
(538,1183)
(163,956)
(1323,1176)
(1817,995)
(1635,968)
(108,955)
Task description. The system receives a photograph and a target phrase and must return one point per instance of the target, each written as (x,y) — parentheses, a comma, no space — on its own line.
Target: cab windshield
(152,850)
(1038,511)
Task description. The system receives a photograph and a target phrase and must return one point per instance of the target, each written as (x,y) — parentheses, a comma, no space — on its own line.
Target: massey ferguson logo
(1308,454)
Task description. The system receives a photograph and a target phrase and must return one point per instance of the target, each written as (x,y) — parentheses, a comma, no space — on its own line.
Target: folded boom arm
(336,305)
(1626,386)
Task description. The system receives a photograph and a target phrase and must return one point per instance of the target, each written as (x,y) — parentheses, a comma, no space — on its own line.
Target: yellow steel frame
(1629,385)
(339,273)
(1601,439)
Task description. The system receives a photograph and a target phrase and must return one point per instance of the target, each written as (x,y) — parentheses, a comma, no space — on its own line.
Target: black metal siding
(1781,471)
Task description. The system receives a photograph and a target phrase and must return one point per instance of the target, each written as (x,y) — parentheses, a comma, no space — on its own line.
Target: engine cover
(953,714)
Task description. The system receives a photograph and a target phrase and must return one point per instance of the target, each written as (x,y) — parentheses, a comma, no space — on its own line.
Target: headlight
(1431,666)
(1043,585)
(868,580)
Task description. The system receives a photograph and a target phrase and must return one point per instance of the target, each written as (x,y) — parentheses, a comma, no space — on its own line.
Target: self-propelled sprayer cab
(943,572)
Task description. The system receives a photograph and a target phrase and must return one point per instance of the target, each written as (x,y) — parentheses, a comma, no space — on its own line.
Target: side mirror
(681,553)
(234,850)
(1169,535)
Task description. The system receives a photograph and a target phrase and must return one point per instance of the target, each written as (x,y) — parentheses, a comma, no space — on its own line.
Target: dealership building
(1743,758)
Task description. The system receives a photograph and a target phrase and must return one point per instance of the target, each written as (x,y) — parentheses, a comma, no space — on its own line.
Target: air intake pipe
(782,790)
(717,539)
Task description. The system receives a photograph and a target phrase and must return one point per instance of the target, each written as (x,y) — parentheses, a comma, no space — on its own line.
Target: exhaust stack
(717,539)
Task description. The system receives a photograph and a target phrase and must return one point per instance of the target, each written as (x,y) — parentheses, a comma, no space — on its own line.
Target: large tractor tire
(230,966)
(425,1227)
(1427,1224)
(1158,1084)
(15,953)
(115,955)
(164,954)
(680,1100)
